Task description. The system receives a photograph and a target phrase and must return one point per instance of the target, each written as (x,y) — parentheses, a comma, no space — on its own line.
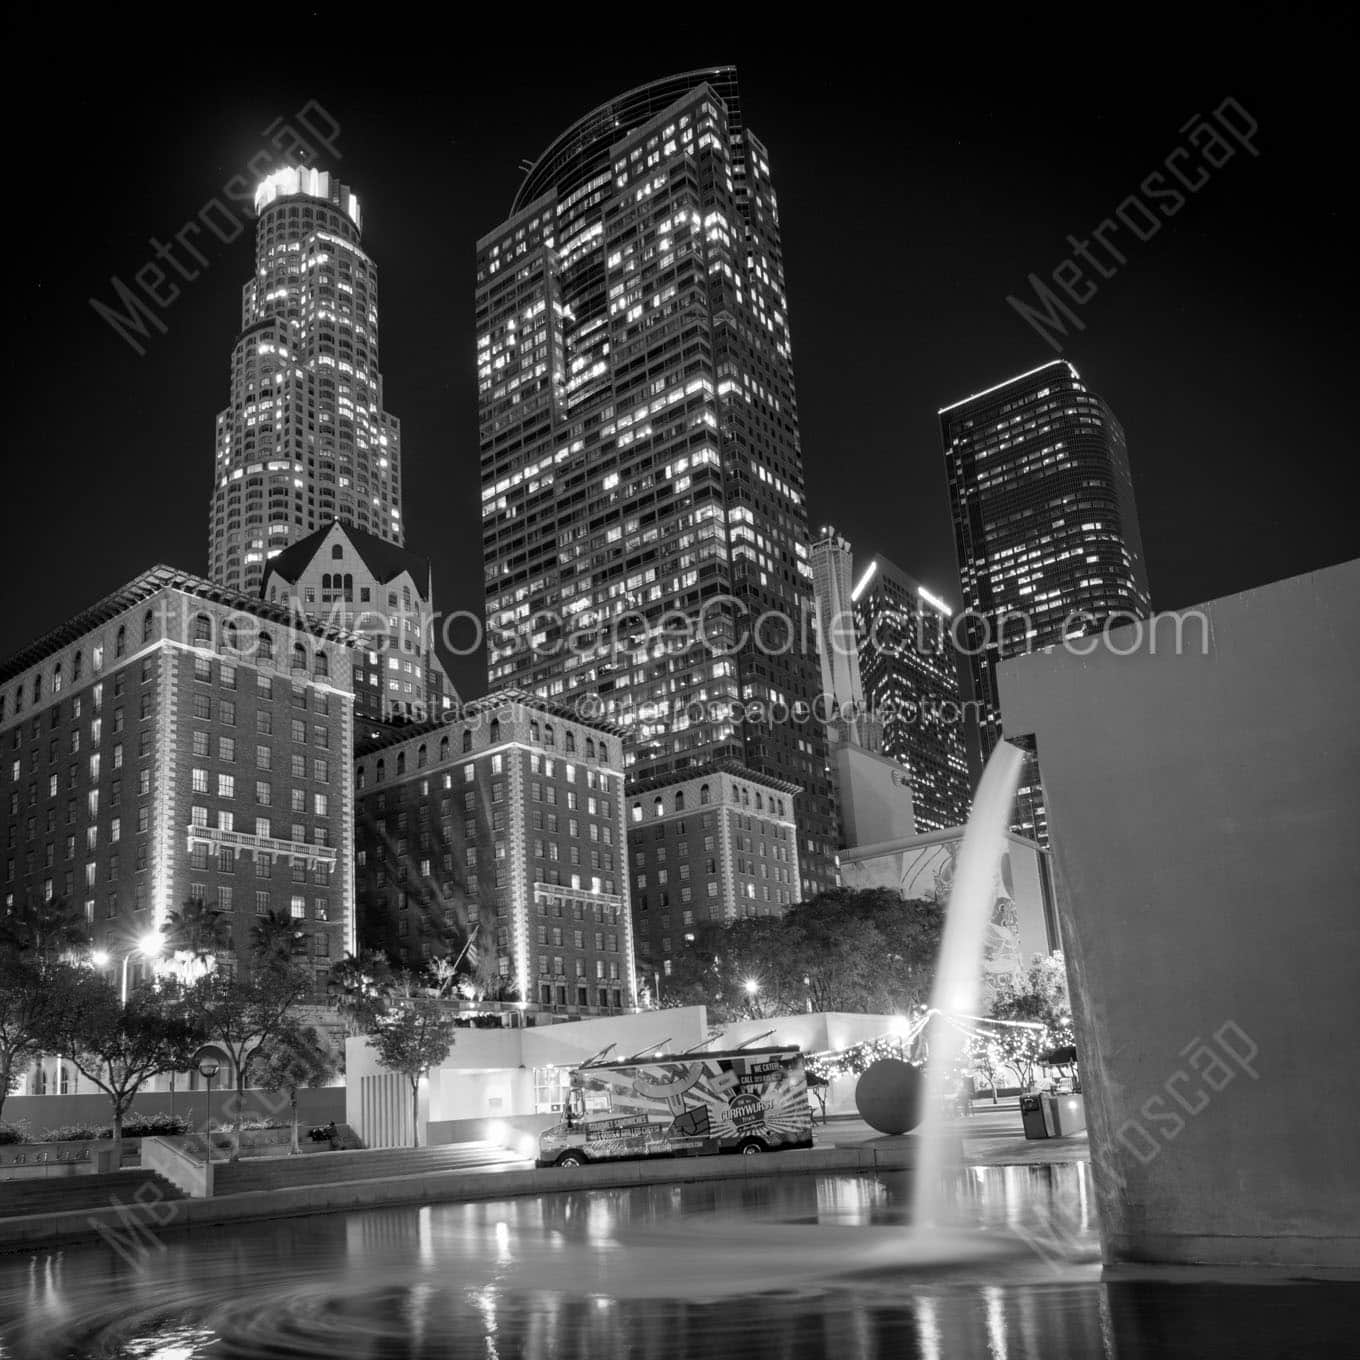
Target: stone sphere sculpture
(888,1096)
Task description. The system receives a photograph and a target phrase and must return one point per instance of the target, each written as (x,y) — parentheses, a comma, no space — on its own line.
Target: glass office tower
(1045,528)
(644,522)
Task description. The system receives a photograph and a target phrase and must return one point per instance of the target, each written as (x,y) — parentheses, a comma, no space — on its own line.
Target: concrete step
(62,1194)
(270,1173)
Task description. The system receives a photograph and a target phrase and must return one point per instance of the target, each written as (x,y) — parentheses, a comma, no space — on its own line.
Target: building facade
(1046,532)
(176,741)
(503,828)
(362,584)
(304,438)
(838,644)
(644,519)
(910,671)
(717,844)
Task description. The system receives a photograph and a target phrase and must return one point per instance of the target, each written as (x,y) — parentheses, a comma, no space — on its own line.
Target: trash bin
(1032,1117)
(1064,1114)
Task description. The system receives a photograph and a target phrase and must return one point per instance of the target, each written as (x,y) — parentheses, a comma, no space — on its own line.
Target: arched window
(64,1080)
(266,647)
(37,688)
(590,748)
(202,628)
(323,666)
(148,626)
(637,812)
(299,657)
(325,580)
(533,729)
(381,772)
(746,797)
(77,665)
(401,762)
(703,793)
(571,742)
(658,807)
(443,748)
(360,777)
(56,678)
(422,756)
(679,800)
(120,641)
(337,551)
(604,753)
(494,730)
(759,807)
(548,738)
(467,740)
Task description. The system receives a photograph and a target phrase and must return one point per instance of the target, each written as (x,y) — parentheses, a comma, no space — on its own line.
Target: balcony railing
(217,838)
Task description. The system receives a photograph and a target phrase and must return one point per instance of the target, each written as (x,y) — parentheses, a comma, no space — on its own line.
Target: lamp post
(149,946)
(208,1067)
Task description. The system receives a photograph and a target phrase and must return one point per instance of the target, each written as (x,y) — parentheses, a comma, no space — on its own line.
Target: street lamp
(149,947)
(209,1069)
(752,991)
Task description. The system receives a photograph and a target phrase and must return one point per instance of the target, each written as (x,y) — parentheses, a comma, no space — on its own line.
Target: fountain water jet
(958,976)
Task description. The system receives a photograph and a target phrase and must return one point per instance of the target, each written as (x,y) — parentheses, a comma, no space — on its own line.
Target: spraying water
(959,973)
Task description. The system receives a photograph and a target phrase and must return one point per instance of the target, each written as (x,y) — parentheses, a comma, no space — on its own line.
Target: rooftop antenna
(590,1061)
(746,1043)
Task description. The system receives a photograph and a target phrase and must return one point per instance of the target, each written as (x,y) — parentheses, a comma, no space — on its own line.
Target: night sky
(922,176)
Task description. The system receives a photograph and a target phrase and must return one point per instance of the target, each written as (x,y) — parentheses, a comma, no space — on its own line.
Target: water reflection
(797,1267)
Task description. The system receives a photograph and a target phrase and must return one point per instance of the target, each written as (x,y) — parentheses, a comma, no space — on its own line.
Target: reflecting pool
(793,1266)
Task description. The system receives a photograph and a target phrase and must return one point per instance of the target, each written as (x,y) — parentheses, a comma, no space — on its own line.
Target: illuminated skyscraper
(911,683)
(304,439)
(642,473)
(1045,527)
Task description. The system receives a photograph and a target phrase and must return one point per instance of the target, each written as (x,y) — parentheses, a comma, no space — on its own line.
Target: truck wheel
(751,1147)
(571,1159)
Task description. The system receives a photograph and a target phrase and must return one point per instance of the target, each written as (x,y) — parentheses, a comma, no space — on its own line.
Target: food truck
(684,1105)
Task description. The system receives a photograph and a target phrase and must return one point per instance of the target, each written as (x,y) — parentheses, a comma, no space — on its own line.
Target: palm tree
(44,932)
(199,932)
(360,985)
(276,941)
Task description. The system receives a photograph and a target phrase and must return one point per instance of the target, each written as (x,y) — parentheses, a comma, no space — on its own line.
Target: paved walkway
(991,1136)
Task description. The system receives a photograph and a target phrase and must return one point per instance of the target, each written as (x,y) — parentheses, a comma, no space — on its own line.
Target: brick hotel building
(507,821)
(179,740)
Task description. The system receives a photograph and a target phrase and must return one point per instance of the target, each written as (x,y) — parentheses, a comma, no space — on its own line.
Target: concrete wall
(50,1112)
(1204,801)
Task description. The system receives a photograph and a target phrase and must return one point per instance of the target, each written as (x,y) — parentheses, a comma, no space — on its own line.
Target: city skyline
(1191,424)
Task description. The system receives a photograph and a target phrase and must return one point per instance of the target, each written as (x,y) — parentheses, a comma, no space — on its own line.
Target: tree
(359,985)
(44,932)
(30,1004)
(246,1014)
(410,1039)
(277,939)
(1038,994)
(297,1057)
(121,1047)
(195,935)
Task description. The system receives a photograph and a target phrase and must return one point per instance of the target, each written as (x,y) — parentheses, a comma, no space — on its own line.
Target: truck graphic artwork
(748,1101)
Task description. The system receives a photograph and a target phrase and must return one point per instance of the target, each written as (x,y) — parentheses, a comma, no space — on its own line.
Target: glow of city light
(869,573)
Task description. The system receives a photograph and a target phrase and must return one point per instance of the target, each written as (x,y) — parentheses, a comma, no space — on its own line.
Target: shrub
(71,1133)
(14,1133)
(149,1125)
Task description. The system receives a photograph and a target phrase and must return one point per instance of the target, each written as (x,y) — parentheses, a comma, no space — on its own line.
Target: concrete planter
(21,1161)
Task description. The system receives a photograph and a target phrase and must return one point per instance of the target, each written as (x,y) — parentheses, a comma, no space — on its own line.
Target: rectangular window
(226,786)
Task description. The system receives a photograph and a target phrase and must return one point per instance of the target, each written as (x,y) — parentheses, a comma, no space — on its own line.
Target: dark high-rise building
(304,439)
(642,477)
(910,673)
(1046,531)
